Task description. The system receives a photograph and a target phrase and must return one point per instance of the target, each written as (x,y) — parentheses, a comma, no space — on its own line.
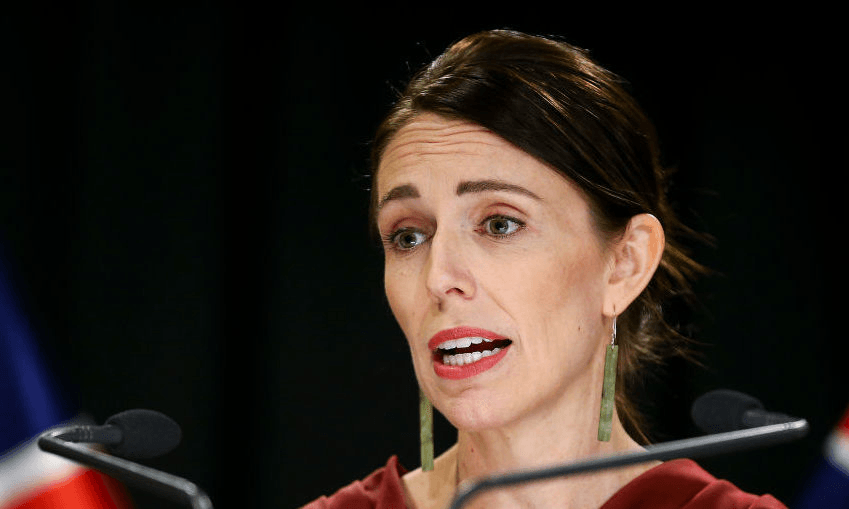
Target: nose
(449,271)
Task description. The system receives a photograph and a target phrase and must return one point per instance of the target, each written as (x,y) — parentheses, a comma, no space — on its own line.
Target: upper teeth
(463,342)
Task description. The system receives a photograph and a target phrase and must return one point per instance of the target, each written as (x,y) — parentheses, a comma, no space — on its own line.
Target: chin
(478,415)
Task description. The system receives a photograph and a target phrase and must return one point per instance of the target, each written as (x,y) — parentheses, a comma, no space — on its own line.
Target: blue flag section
(828,485)
(30,403)
(28,399)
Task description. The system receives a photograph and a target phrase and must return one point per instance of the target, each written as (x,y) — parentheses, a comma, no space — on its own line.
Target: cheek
(408,307)
(554,295)
(550,281)
(578,279)
(399,284)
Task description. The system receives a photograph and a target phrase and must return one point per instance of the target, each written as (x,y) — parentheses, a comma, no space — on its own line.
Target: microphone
(135,434)
(726,411)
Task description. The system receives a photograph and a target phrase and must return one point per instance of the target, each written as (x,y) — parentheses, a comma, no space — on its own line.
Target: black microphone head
(722,410)
(146,434)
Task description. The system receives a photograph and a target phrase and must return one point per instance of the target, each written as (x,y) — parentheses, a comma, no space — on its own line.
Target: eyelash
(391,239)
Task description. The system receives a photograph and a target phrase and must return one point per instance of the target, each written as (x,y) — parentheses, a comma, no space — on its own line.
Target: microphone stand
(161,483)
(698,447)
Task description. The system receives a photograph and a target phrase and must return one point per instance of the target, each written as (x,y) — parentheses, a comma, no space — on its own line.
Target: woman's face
(494,271)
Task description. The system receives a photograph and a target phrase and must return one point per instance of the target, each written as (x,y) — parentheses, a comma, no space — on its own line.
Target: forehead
(431,145)
(432,134)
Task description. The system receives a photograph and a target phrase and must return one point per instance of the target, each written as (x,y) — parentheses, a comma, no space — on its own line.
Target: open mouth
(462,351)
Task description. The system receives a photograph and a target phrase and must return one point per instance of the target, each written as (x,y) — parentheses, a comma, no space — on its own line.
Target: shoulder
(682,484)
(380,490)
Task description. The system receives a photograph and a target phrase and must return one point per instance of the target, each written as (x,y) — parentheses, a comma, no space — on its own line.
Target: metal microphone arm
(698,447)
(165,485)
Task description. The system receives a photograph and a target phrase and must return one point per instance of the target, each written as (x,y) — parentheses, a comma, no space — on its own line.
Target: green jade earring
(608,388)
(426,431)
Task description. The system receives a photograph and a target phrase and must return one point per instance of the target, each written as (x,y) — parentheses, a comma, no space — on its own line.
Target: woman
(528,246)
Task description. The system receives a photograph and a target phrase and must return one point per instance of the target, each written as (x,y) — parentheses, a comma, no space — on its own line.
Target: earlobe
(636,256)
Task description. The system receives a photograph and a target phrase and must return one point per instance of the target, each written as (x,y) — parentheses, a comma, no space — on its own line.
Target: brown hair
(550,100)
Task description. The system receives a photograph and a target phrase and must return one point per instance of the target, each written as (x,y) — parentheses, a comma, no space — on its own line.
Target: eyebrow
(397,193)
(482,186)
(465,187)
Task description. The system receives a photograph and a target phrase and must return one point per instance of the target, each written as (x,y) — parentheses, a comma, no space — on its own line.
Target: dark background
(183,211)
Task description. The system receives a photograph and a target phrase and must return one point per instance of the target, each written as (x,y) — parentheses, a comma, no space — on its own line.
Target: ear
(635,257)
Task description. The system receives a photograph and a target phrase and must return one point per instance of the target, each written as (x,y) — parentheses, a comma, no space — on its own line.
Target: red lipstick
(463,352)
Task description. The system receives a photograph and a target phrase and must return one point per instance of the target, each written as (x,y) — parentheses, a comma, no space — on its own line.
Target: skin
(479,233)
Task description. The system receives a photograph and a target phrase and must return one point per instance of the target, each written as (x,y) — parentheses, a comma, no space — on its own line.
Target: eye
(501,226)
(405,239)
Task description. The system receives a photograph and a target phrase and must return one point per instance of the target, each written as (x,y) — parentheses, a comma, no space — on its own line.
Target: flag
(828,486)
(30,403)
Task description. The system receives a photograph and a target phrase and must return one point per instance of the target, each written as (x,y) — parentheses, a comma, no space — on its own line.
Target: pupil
(500,226)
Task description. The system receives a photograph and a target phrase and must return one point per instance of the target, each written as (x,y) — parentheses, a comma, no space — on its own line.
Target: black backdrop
(183,210)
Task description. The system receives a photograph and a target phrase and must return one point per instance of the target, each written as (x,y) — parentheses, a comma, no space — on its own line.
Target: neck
(485,454)
(541,443)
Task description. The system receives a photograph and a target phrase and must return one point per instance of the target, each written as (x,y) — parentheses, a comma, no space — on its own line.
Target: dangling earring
(426,431)
(608,388)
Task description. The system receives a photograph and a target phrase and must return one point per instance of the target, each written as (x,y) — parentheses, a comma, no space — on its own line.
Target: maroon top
(676,484)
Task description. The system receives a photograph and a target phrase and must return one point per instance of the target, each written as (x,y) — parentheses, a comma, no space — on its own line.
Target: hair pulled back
(552,101)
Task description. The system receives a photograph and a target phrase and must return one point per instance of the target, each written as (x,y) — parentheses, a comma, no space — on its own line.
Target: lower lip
(468,370)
